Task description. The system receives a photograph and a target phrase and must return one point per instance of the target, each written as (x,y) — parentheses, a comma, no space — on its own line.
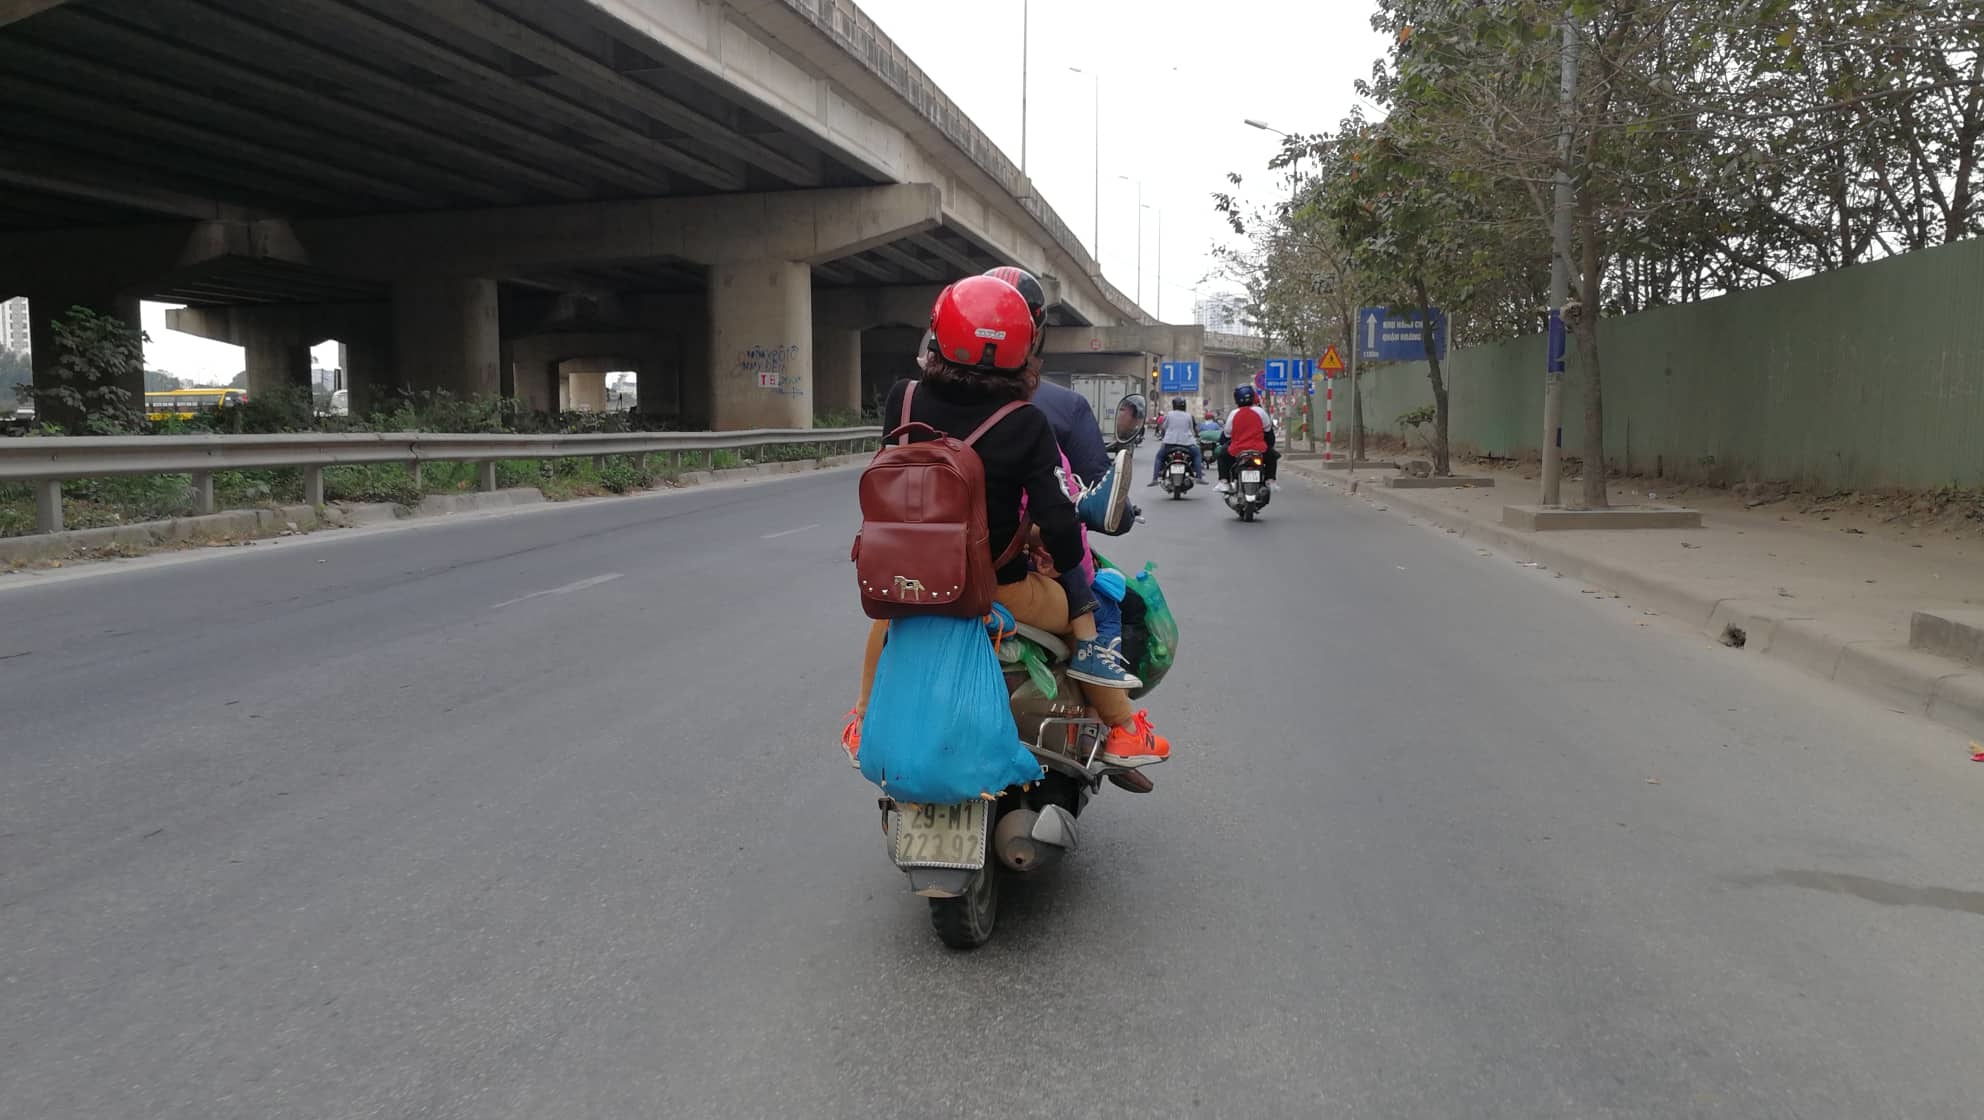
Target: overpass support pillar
(276,361)
(836,370)
(761,345)
(368,374)
(49,304)
(446,337)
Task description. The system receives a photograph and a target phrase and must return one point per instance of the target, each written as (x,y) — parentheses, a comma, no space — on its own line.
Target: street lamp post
(1026,53)
(1140,236)
(1160,263)
(1294,166)
(1096,234)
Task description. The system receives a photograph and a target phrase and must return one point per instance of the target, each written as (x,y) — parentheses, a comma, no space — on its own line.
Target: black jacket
(1020,457)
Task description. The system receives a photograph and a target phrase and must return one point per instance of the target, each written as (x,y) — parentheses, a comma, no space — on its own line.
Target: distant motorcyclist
(1178,431)
(1248,428)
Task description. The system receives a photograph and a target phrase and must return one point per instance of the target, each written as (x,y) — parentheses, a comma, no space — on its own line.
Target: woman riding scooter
(1020,457)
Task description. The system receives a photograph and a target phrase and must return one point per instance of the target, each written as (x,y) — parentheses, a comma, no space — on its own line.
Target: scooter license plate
(1177,470)
(950,836)
(1250,476)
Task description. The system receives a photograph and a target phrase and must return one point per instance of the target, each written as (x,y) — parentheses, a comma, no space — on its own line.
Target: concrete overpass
(738,201)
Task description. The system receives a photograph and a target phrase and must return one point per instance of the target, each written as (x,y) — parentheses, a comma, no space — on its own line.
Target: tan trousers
(1039,602)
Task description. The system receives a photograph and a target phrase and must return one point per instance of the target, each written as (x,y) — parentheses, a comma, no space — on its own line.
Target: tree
(1301,282)
(1474,87)
(1420,238)
(83,395)
(159,381)
(1711,145)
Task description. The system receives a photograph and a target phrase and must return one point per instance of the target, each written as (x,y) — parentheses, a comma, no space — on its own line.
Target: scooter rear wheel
(966,922)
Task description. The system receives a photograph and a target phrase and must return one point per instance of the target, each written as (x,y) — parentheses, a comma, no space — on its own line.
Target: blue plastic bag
(939,728)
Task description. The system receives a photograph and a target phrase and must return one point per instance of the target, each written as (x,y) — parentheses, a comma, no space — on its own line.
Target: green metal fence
(1868,377)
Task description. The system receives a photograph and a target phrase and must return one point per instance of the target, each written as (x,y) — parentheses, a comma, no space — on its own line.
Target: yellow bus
(167,403)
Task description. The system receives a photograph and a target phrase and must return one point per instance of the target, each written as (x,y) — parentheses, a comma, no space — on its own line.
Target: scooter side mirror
(1130,412)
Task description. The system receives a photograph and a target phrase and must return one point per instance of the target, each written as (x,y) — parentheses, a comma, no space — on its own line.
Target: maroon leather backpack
(922,548)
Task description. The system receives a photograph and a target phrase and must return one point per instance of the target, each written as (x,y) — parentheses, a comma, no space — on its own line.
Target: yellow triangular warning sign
(1332,362)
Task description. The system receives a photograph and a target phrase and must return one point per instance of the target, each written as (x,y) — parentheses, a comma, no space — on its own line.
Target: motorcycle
(954,855)
(1249,494)
(1176,472)
(1209,446)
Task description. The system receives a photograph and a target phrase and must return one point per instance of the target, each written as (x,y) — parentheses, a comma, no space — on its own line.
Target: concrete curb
(1900,678)
(81,543)
(1436,482)
(354,514)
(441,505)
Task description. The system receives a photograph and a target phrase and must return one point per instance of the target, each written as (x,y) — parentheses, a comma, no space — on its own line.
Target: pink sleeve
(1074,489)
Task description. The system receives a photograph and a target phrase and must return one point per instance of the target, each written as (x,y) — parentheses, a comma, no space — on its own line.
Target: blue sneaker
(1104,504)
(1101,663)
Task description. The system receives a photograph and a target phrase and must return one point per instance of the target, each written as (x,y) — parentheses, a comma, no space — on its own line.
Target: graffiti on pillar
(772,366)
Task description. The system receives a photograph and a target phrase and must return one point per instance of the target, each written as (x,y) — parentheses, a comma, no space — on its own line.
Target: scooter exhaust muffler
(1026,840)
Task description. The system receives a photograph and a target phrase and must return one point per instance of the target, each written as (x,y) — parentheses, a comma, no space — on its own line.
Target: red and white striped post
(1331,365)
(1329,413)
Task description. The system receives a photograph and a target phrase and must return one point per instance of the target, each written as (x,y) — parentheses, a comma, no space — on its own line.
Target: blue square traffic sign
(1394,334)
(1178,377)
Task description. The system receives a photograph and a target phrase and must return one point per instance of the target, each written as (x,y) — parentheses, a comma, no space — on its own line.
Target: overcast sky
(1176,80)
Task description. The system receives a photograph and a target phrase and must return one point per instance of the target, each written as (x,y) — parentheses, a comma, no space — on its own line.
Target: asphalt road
(541,816)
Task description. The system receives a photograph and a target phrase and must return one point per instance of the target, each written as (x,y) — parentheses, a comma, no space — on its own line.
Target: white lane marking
(581,585)
(788,532)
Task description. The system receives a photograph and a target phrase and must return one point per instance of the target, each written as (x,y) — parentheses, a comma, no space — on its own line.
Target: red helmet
(982,323)
(1029,288)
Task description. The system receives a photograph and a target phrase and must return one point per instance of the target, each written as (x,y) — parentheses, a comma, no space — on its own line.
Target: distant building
(1224,313)
(14,325)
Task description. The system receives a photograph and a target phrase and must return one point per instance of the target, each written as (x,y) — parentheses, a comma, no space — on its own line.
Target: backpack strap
(1018,543)
(1017,546)
(990,421)
(908,393)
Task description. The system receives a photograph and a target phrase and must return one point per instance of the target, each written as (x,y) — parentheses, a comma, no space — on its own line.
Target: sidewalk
(1827,584)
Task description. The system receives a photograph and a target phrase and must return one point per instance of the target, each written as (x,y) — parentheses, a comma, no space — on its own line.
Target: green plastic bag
(1037,669)
(1161,652)
(1153,637)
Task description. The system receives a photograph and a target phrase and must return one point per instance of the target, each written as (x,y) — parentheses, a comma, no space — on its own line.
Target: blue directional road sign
(1392,334)
(1178,377)
(1280,374)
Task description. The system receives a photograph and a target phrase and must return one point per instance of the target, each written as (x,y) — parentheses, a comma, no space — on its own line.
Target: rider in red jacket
(1249,428)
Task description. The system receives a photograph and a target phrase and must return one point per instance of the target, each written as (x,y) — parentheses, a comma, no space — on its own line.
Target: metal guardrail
(47,462)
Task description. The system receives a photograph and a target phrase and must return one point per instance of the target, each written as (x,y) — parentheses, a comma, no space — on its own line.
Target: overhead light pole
(1560,277)
(1140,235)
(1026,53)
(1095,238)
(1295,165)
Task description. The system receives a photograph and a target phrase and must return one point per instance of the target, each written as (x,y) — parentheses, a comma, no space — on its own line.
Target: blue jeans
(1081,595)
(1108,618)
